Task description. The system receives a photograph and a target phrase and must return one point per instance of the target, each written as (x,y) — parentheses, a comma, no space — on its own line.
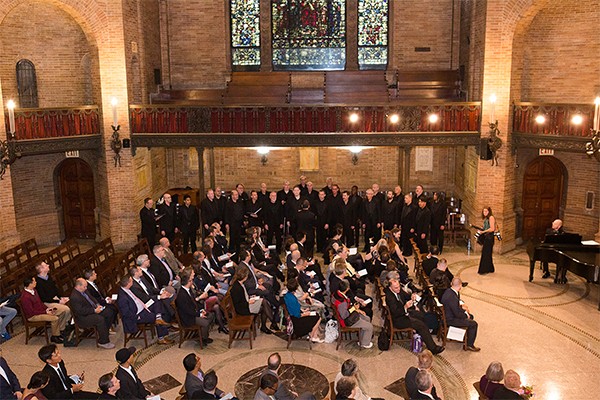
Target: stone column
(352,35)
(201,187)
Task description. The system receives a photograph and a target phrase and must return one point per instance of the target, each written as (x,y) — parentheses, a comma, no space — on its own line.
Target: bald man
(457,313)
(89,314)
(556,229)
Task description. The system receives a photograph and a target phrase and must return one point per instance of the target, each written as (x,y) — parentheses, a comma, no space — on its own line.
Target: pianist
(556,229)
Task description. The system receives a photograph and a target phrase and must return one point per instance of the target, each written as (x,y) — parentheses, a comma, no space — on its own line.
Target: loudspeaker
(484,150)
(157,76)
(126,143)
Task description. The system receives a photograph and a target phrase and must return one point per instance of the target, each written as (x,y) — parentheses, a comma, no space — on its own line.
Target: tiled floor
(550,334)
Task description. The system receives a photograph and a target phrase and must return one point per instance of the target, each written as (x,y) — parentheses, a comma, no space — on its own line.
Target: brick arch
(90,17)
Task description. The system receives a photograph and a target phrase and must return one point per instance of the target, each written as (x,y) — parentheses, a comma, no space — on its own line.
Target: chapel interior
(108,102)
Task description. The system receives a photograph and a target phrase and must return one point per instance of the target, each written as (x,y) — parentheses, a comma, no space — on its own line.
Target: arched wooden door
(542,194)
(76,182)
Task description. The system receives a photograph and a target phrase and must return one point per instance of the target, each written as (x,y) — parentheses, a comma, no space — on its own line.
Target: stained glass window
(309,34)
(245,34)
(372,33)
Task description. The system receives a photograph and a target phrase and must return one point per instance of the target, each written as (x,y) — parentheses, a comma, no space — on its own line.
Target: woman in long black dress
(305,323)
(486,264)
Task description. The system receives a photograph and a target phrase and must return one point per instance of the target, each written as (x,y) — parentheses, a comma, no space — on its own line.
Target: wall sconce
(355,150)
(394,118)
(577,119)
(433,118)
(9,150)
(353,117)
(592,148)
(263,151)
(540,119)
(115,144)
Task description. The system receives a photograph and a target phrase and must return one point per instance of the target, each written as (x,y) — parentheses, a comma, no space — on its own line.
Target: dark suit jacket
(148,224)
(419,396)
(209,211)
(80,306)
(452,307)
(188,220)
(251,282)
(130,389)
(423,220)
(411,385)
(408,217)
(202,395)
(239,299)
(55,388)
(99,296)
(400,318)
(169,217)
(128,311)
(148,279)
(187,308)
(305,221)
(137,289)
(160,272)
(506,394)
(7,389)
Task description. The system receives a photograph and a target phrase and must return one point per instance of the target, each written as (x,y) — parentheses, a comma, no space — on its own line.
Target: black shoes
(473,348)
(223,330)
(266,330)
(207,341)
(438,350)
(546,275)
(465,284)
(274,327)
(56,339)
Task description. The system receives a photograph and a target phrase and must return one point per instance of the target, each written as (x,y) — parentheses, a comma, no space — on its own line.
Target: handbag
(352,318)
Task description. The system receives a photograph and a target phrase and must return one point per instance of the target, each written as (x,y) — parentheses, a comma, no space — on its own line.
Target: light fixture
(577,119)
(494,141)
(353,118)
(592,148)
(540,119)
(263,151)
(394,118)
(115,144)
(433,118)
(9,150)
(355,150)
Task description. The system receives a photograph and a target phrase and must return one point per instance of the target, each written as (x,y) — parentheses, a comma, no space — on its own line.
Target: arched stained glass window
(372,34)
(245,34)
(27,84)
(309,34)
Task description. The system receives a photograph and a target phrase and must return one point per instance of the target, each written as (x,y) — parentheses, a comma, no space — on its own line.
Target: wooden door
(542,194)
(76,182)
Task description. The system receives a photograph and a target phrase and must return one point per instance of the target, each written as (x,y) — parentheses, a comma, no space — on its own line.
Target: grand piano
(569,254)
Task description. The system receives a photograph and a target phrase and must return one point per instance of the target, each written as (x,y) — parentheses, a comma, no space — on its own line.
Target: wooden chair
(238,324)
(139,334)
(83,333)
(344,331)
(182,394)
(482,395)
(443,328)
(39,328)
(292,336)
(189,332)
(332,390)
(392,331)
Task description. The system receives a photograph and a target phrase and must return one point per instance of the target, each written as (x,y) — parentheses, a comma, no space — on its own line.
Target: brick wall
(59,50)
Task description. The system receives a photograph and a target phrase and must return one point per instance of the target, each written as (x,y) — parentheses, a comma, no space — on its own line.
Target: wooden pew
(258,88)
(208,97)
(442,85)
(356,87)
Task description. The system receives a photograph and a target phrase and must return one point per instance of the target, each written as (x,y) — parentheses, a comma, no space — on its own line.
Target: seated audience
(34,310)
(170,258)
(89,314)
(61,385)
(402,318)
(209,389)
(246,305)
(431,260)
(304,322)
(345,388)
(134,311)
(96,292)
(510,389)
(109,384)
(190,312)
(49,293)
(37,382)
(457,313)
(131,386)
(160,299)
(425,361)
(440,278)
(351,315)
(283,391)
(391,266)
(6,315)
(164,274)
(194,377)
(10,388)
(424,383)
(350,370)
(267,388)
(490,382)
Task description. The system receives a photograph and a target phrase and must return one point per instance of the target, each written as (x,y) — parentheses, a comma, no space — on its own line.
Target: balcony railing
(452,117)
(557,119)
(44,123)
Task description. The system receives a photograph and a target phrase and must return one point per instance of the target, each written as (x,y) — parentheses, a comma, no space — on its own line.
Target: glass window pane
(309,34)
(372,33)
(27,84)
(245,32)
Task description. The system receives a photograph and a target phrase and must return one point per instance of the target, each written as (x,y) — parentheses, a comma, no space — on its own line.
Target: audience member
(431,260)
(246,305)
(99,295)
(109,384)
(170,258)
(425,361)
(345,388)
(457,313)
(350,370)
(441,278)
(268,386)
(34,310)
(194,376)
(424,383)
(303,320)
(490,382)
(131,385)
(352,316)
(164,274)
(190,312)
(49,293)
(37,382)
(61,385)
(89,314)
(209,389)
(10,388)
(283,391)
(6,315)
(511,387)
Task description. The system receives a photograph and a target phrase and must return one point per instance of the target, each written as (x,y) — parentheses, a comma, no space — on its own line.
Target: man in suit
(190,313)
(424,383)
(145,292)
(305,222)
(209,390)
(268,386)
(425,361)
(234,220)
(134,311)
(254,211)
(170,258)
(422,224)
(168,217)
(390,212)
(510,390)
(99,295)
(89,314)
(131,385)
(439,214)
(273,218)
(164,274)
(283,392)
(371,219)
(321,209)
(109,384)
(348,219)
(401,317)
(209,211)
(408,222)
(188,222)
(194,377)
(10,388)
(148,220)
(293,207)
(61,386)
(457,313)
